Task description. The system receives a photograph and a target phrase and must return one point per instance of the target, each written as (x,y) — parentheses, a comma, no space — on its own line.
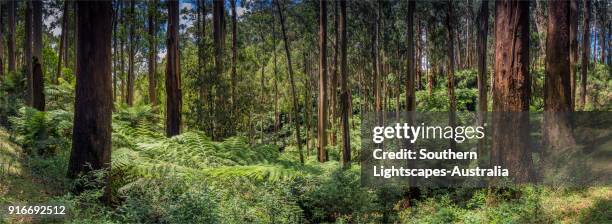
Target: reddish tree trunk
(557,92)
(586,49)
(173,73)
(573,34)
(91,140)
(511,89)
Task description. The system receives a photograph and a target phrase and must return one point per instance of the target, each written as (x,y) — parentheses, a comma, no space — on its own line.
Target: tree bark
(296,105)
(344,92)
(27,49)
(62,41)
(152,52)
(573,34)
(511,89)
(483,26)
(38,96)
(173,73)
(333,80)
(219,120)
(131,51)
(122,51)
(586,49)
(322,118)
(557,92)
(91,140)
(451,70)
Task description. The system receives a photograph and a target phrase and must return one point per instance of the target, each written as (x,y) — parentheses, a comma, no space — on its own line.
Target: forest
(251,111)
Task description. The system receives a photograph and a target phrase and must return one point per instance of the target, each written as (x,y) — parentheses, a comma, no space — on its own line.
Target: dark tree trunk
(483,26)
(220,115)
(322,118)
(38,96)
(296,105)
(586,49)
(344,91)
(410,79)
(573,35)
(27,49)
(450,82)
(11,35)
(153,53)
(114,50)
(173,74)
(511,89)
(91,140)
(557,92)
(131,51)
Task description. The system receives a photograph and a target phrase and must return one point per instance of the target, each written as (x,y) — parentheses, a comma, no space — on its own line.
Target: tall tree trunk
(483,26)
(451,70)
(11,35)
(586,49)
(296,106)
(410,78)
(322,118)
(344,91)
(152,52)
(219,43)
(573,34)
(91,140)
(173,72)
(377,72)
(38,96)
(511,89)
(62,41)
(131,51)
(234,54)
(333,81)
(557,92)
(122,50)
(602,30)
(27,49)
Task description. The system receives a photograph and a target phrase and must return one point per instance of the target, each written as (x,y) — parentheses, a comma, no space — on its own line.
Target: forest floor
(18,185)
(21,185)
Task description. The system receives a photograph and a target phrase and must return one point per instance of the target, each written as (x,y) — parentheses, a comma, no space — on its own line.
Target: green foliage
(42,133)
(11,99)
(60,96)
(339,195)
